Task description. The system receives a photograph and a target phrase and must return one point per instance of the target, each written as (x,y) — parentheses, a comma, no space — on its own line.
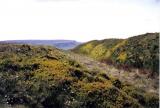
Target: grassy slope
(140,51)
(46,77)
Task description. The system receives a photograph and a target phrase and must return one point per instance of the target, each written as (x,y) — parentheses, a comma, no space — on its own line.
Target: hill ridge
(140,51)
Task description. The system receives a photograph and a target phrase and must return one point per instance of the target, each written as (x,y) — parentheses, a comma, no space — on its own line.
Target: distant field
(61,44)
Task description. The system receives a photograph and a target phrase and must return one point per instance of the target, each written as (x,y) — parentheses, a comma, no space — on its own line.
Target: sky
(80,20)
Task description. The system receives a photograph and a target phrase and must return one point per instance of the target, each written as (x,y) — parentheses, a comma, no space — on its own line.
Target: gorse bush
(136,52)
(44,77)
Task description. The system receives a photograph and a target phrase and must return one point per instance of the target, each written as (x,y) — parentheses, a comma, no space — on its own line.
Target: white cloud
(81,20)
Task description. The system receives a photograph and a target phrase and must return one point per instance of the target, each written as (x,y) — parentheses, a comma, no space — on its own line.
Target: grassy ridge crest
(140,51)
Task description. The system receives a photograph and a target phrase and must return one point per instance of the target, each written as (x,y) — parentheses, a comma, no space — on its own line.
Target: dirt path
(133,77)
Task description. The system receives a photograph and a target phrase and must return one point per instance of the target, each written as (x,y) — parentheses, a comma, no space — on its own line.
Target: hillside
(133,77)
(61,44)
(46,77)
(140,52)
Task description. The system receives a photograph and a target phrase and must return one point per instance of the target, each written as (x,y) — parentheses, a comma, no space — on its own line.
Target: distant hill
(61,44)
(46,77)
(140,51)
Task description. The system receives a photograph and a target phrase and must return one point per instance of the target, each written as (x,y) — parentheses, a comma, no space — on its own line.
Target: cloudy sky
(80,20)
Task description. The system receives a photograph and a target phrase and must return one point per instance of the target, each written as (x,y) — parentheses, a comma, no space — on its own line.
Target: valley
(61,44)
